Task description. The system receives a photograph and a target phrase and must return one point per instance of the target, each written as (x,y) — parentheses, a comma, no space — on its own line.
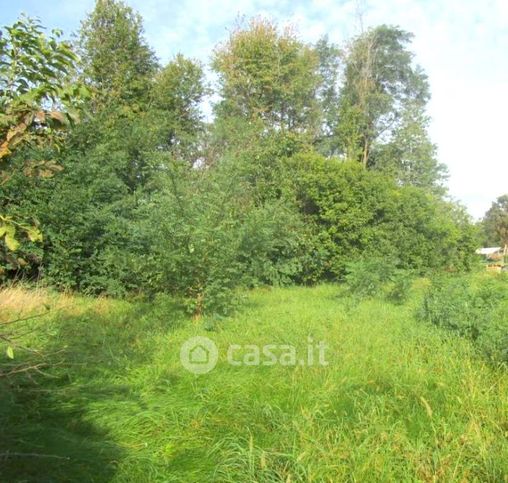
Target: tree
(328,95)
(114,160)
(207,236)
(410,156)
(361,213)
(269,75)
(86,210)
(495,223)
(117,61)
(179,90)
(119,67)
(382,107)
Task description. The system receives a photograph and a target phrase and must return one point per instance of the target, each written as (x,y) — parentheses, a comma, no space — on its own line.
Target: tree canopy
(495,223)
(316,156)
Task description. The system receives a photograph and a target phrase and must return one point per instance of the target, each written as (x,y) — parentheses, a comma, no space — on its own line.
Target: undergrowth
(400,400)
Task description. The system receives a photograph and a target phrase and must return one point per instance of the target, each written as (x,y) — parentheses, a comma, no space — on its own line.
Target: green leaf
(10,352)
(34,234)
(11,242)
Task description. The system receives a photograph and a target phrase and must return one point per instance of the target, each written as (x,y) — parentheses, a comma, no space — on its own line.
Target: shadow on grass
(43,443)
(47,433)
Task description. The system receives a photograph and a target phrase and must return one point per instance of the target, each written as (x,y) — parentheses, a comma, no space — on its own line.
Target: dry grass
(18,302)
(21,302)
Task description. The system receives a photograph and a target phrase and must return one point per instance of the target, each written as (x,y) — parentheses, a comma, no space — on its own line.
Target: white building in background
(489,251)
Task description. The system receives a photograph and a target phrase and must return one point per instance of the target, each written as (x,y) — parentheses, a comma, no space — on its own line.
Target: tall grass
(399,401)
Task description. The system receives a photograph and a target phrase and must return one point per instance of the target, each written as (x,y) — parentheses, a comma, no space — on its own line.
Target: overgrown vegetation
(477,310)
(495,223)
(130,222)
(399,401)
(295,177)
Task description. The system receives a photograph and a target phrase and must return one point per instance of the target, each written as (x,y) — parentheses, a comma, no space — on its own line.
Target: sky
(461,44)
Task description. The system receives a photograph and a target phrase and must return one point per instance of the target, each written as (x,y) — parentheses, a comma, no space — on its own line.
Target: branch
(32,455)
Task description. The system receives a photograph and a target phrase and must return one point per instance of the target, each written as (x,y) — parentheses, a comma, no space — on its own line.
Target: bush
(478,311)
(378,277)
(400,288)
(366,278)
(207,236)
(359,213)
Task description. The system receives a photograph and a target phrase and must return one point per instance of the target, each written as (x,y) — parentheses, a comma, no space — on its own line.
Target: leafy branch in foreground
(37,103)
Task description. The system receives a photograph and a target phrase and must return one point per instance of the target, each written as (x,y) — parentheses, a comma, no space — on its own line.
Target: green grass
(399,400)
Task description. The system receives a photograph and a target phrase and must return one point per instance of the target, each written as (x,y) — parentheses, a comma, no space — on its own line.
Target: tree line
(317,156)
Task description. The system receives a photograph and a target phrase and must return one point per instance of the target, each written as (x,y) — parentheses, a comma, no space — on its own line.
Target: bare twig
(31,455)
(24,319)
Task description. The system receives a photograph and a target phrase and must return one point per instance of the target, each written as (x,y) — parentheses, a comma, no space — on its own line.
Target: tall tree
(409,155)
(86,210)
(269,75)
(382,105)
(328,95)
(116,58)
(495,222)
(120,67)
(178,92)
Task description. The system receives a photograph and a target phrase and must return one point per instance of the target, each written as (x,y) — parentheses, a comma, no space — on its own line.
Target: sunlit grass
(399,400)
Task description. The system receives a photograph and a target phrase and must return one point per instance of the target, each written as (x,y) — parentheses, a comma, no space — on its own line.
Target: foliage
(360,213)
(37,104)
(495,223)
(330,57)
(477,311)
(88,211)
(269,75)
(379,80)
(366,278)
(409,156)
(206,237)
(179,215)
(178,91)
(116,60)
(378,277)
(382,108)
(33,88)
(152,198)
(400,288)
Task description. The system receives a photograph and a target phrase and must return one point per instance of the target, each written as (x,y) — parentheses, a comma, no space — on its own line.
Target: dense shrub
(363,214)
(400,288)
(378,277)
(206,236)
(477,311)
(366,278)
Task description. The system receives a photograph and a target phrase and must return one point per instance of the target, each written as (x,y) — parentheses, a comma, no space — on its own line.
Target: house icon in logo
(199,355)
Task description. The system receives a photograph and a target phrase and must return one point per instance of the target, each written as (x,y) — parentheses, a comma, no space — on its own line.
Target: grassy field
(398,401)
